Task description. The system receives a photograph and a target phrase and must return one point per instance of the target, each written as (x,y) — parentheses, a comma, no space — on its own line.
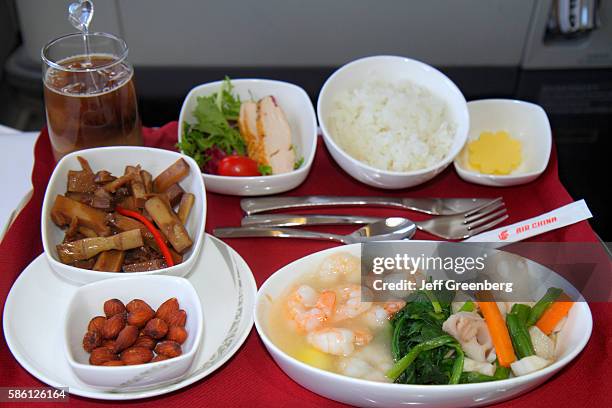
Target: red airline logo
(503,235)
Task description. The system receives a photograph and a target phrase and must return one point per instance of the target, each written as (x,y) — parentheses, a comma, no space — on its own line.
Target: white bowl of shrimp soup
(315,370)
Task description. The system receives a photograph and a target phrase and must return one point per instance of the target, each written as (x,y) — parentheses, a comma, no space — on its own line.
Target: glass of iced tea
(89,93)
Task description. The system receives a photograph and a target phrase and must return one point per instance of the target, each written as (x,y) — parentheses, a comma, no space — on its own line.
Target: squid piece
(86,248)
(64,210)
(109,261)
(185,206)
(169,224)
(528,365)
(172,175)
(472,333)
(478,366)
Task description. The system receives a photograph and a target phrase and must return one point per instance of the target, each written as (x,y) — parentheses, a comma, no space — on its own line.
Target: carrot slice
(554,313)
(499,333)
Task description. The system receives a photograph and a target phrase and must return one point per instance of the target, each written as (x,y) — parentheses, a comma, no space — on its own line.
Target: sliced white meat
(247,124)
(471,332)
(528,365)
(542,344)
(478,367)
(274,129)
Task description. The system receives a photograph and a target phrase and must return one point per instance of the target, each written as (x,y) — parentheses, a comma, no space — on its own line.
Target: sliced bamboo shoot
(174,193)
(172,175)
(147,179)
(137,185)
(169,224)
(119,182)
(64,210)
(86,248)
(187,201)
(109,261)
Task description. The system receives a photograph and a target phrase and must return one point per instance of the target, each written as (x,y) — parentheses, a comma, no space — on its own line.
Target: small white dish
(114,159)
(298,109)
(364,393)
(524,121)
(39,298)
(392,68)
(87,302)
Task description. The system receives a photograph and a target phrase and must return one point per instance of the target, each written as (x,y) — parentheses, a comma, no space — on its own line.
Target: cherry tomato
(238,166)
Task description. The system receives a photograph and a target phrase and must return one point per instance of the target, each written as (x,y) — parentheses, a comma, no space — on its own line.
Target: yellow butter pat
(494,153)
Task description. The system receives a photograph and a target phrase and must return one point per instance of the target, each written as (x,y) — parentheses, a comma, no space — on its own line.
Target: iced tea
(91,103)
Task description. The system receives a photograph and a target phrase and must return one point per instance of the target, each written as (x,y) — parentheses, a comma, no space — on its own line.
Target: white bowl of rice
(392,122)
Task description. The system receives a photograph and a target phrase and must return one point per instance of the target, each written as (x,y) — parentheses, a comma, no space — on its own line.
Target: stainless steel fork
(458,226)
(433,206)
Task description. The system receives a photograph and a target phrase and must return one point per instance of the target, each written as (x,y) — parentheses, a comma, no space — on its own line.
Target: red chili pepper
(156,234)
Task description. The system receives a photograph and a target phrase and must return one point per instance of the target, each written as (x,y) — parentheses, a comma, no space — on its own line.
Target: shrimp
(310,310)
(370,363)
(338,266)
(377,316)
(393,306)
(350,304)
(338,341)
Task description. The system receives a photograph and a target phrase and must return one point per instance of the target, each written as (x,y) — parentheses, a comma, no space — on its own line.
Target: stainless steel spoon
(392,228)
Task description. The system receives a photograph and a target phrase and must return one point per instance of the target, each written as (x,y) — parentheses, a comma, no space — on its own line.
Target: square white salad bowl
(524,121)
(300,114)
(114,159)
(87,302)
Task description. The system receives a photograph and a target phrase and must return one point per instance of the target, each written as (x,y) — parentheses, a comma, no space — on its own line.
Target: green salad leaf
(264,169)
(298,163)
(215,126)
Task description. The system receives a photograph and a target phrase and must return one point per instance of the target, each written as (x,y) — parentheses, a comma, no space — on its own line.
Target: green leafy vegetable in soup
(423,352)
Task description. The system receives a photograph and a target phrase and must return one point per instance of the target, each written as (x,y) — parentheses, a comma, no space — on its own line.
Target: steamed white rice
(392,126)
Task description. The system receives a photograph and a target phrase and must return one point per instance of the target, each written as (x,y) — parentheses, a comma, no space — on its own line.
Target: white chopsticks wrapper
(561,217)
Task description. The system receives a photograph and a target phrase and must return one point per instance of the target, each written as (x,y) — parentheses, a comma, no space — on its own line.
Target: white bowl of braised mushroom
(123,209)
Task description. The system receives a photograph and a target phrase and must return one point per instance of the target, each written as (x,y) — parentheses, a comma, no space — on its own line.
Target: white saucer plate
(34,309)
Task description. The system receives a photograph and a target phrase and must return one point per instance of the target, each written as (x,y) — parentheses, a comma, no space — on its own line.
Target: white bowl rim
(305,167)
(103,275)
(447,159)
(503,101)
(409,387)
(186,356)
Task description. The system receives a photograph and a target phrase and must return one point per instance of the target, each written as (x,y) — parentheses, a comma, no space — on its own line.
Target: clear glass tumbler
(90,97)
